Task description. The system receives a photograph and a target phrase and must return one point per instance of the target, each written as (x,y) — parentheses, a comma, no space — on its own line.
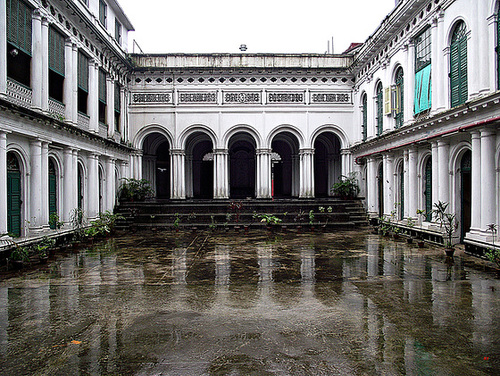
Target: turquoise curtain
(423,89)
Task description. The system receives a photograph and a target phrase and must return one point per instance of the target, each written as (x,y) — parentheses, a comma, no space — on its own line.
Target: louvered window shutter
(19,25)
(458,66)
(56,51)
(102,86)
(83,72)
(365,118)
(117,98)
(379,103)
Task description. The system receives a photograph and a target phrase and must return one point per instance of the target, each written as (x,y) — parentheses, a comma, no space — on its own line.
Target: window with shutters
(102,96)
(103,12)
(118,104)
(364,110)
(401,192)
(83,82)
(56,64)
(19,41)
(423,86)
(399,98)
(458,65)
(428,190)
(118,32)
(379,103)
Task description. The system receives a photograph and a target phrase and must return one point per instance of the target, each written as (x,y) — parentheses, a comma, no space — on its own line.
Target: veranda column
(36,61)
(3,61)
(436,68)
(492,43)
(474,54)
(476,182)
(178,185)
(45,64)
(74,85)
(93,97)
(123,112)
(69,72)
(483,47)
(44,218)
(488,177)
(3,179)
(93,185)
(441,85)
(35,212)
(74,176)
(68,186)
(345,163)
(295,175)
(435,172)
(306,173)
(110,184)
(409,84)
(412,183)
(444,172)
(388,184)
(110,105)
(263,188)
(221,176)
(371,182)
(407,188)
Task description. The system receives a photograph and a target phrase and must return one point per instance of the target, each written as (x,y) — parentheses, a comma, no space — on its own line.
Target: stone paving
(162,303)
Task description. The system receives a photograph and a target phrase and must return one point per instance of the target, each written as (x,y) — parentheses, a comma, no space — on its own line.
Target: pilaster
(35,209)
(371,182)
(110,105)
(306,173)
(409,83)
(93,97)
(412,182)
(444,172)
(488,176)
(221,168)
(178,181)
(483,42)
(45,64)
(69,185)
(93,185)
(263,173)
(476,181)
(110,184)
(44,217)
(435,171)
(36,61)
(388,183)
(68,89)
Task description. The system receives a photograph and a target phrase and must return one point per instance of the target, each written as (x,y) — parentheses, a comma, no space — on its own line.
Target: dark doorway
(242,169)
(52,193)
(284,147)
(465,193)
(14,200)
(326,163)
(203,170)
(163,170)
(380,185)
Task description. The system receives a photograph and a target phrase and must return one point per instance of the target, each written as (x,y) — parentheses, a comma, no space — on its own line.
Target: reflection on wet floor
(345,303)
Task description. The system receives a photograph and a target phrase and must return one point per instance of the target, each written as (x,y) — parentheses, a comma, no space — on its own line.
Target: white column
(441,85)
(178,181)
(492,44)
(306,173)
(263,173)
(124,171)
(406,160)
(473,52)
(93,97)
(69,185)
(69,72)
(110,105)
(3,179)
(74,176)
(74,84)
(371,182)
(93,185)
(409,83)
(123,113)
(295,175)
(388,184)
(488,176)
(36,61)
(221,178)
(45,64)
(435,172)
(444,172)
(435,66)
(110,184)
(483,47)
(411,186)
(345,164)
(476,181)
(44,218)
(3,53)
(36,209)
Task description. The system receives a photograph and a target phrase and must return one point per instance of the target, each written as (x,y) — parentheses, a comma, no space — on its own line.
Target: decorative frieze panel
(330,97)
(241,97)
(197,97)
(152,98)
(285,97)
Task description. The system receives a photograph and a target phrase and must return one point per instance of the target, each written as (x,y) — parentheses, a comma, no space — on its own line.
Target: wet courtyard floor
(343,303)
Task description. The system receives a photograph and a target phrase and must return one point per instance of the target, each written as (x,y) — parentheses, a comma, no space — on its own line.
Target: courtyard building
(413,111)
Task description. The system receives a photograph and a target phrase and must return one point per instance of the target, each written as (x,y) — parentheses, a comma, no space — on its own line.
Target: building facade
(413,111)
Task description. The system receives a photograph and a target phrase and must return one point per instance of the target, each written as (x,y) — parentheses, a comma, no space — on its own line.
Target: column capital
(306,151)
(441,142)
(221,151)
(488,132)
(180,152)
(94,155)
(263,151)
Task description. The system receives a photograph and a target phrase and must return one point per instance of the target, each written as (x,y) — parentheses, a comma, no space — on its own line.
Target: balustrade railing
(19,94)
(57,108)
(83,121)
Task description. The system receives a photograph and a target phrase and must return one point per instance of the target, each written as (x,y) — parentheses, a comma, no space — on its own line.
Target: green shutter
(402,193)
(458,66)
(118,101)
(56,51)
(102,86)
(428,190)
(14,201)
(400,94)
(365,118)
(19,25)
(380,103)
(52,191)
(83,72)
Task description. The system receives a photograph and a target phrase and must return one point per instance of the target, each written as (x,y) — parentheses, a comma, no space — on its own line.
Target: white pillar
(36,61)
(435,172)
(93,185)
(178,181)
(110,184)
(473,52)
(371,182)
(124,171)
(35,212)
(263,189)
(388,184)
(3,53)
(110,105)
(44,218)
(483,47)
(440,89)
(123,114)
(492,44)
(68,89)
(306,173)
(69,185)
(3,180)
(406,160)
(476,181)
(74,176)
(409,83)
(45,64)
(412,182)
(435,66)
(221,178)
(93,96)
(345,164)
(444,171)
(488,176)
(74,84)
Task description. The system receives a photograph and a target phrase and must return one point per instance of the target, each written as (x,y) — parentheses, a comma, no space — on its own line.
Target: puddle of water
(346,303)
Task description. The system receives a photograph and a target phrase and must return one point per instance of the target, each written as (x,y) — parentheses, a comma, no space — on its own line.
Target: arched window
(52,194)
(379,103)
(399,107)
(364,110)
(428,190)
(458,65)
(14,201)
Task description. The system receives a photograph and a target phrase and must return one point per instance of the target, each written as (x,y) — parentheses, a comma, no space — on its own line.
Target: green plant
(54,222)
(493,254)
(311,217)
(422,214)
(346,187)
(300,216)
(410,222)
(236,206)
(19,254)
(44,244)
(134,189)
(177,221)
(447,221)
(269,219)
(212,226)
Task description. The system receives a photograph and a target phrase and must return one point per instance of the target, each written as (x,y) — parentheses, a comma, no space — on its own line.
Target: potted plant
(18,256)
(347,187)
(54,222)
(448,223)
(42,248)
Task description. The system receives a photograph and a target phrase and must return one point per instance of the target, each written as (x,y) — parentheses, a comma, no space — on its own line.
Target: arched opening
(458,65)
(200,166)
(401,193)
(156,164)
(241,166)
(285,165)
(52,192)
(101,189)
(465,193)
(80,188)
(428,189)
(399,98)
(326,163)
(14,199)
(380,190)
(364,120)
(379,112)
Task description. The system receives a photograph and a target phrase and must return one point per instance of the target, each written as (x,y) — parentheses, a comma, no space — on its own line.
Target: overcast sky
(265,26)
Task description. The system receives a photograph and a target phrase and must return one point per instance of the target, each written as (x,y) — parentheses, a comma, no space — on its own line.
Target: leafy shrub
(346,187)
(135,190)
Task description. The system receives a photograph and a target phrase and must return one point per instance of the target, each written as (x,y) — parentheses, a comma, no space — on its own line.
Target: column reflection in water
(179,271)
(222,274)
(4,320)
(372,268)
(266,281)
(307,270)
